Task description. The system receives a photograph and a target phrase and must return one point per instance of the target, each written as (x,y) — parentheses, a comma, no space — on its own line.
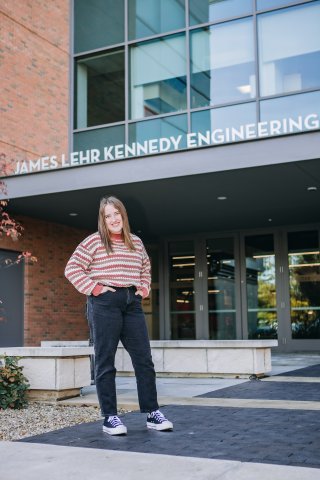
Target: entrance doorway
(11,300)
(245,285)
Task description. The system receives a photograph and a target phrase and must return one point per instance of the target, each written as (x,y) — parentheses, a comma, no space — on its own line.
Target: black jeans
(115,316)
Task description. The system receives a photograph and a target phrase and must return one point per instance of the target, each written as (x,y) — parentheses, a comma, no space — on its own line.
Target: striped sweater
(90,267)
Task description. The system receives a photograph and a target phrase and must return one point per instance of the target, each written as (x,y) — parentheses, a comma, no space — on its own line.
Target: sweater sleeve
(76,270)
(145,273)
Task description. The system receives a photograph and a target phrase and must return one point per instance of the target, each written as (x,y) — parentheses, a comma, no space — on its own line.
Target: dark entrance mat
(313,371)
(285,437)
(257,389)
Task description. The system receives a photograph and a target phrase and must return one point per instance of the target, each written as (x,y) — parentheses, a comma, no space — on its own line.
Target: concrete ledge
(230,358)
(56,372)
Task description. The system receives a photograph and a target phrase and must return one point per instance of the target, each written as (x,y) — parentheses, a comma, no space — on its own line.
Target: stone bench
(54,373)
(207,358)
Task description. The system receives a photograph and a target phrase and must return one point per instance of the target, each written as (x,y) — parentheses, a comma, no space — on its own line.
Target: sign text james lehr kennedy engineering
(217,136)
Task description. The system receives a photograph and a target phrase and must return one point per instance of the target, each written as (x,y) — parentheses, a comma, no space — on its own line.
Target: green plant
(13,384)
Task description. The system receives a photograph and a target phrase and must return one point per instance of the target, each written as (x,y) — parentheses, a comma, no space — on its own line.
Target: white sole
(161,427)
(121,430)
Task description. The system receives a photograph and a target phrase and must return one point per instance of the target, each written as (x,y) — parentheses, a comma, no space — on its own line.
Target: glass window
(221,289)
(266,4)
(150,17)
(98,139)
(218,120)
(100,89)
(289,49)
(222,70)
(204,11)
(158,77)
(161,130)
(97,23)
(261,287)
(182,294)
(304,109)
(304,278)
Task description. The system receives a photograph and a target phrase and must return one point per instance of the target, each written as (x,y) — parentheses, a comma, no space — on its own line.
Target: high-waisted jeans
(115,316)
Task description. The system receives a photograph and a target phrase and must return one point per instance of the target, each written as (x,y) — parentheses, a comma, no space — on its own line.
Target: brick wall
(54,310)
(34,58)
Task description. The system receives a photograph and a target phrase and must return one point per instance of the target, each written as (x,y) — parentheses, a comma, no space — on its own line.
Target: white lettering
(251,130)
(204,139)
(142,148)
(130,151)
(237,134)
(74,160)
(295,125)
(164,144)
(84,158)
(313,124)
(262,129)
(153,146)
(191,141)
(107,153)
(35,165)
(53,162)
(45,163)
(118,151)
(275,127)
(95,155)
(176,141)
(217,136)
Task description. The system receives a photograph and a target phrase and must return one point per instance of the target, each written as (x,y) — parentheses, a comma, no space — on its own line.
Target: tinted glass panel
(150,17)
(221,70)
(303,108)
(203,11)
(221,289)
(182,295)
(158,77)
(97,23)
(100,89)
(226,123)
(304,277)
(289,49)
(98,139)
(264,4)
(160,130)
(261,287)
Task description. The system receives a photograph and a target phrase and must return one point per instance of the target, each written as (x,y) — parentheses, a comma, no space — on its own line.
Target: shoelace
(115,421)
(158,416)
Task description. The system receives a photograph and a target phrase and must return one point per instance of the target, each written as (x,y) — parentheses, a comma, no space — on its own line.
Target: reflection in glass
(304,277)
(182,296)
(293,106)
(158,77)
(97,24)
(264,4)
(222,71)
(289,49)
(98,138)
(176,126)
(261,287)
(204,11)
(150,17)
(222,118)
(100,89)
(221,289)
(150,304)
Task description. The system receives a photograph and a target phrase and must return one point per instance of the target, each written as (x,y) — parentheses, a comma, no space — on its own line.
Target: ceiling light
(222,198)
(312,189)
(244,89)
(73,214)
(269,219)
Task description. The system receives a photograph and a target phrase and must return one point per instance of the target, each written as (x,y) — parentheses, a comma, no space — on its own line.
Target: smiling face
(113,218)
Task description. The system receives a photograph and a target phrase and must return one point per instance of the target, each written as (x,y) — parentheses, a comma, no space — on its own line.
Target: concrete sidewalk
(225,426)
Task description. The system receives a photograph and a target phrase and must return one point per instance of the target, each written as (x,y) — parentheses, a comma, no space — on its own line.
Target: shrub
(13,384)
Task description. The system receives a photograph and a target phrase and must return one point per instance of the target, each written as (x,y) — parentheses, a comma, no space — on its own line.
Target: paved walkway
(223,428)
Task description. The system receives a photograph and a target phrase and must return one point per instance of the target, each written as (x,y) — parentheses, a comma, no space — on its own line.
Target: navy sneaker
(158,421)
(114,426)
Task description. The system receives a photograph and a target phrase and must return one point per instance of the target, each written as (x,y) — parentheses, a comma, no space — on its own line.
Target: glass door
(260,281)
(221,288)
(304,286)
(182,290)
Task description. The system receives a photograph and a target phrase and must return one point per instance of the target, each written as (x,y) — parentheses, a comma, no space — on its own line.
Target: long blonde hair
(102,226)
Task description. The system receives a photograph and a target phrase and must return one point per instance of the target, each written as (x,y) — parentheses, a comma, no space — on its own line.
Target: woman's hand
(139,292)
(106,289)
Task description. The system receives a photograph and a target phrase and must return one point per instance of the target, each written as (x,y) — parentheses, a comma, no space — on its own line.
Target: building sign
(218,136)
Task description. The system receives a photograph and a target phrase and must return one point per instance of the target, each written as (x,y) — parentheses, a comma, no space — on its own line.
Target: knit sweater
(90,267)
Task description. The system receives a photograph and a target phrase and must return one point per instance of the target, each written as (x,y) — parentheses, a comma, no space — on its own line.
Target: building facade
(204,118)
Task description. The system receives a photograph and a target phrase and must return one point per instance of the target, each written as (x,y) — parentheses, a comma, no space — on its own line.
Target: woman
(112,267)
